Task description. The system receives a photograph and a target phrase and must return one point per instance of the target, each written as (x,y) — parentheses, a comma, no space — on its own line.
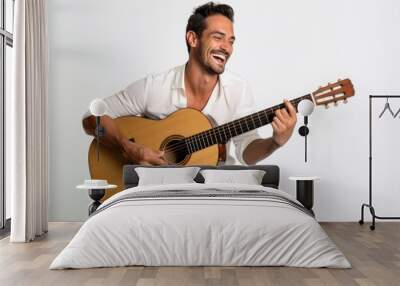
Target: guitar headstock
(333,92)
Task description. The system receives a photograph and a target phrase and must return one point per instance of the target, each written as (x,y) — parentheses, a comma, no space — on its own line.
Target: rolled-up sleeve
(245,107)
(129,101)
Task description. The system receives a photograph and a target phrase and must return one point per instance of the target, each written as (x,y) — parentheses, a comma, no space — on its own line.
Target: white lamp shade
(305,107)
(98,107)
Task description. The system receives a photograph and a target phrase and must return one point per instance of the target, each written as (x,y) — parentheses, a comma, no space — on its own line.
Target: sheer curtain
(26,123)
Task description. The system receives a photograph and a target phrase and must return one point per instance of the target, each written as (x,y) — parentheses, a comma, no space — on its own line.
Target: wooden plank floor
(374,255)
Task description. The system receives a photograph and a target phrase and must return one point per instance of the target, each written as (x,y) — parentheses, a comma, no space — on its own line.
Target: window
(6,44)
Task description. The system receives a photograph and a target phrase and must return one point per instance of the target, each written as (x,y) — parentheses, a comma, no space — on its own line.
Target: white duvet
(180,231)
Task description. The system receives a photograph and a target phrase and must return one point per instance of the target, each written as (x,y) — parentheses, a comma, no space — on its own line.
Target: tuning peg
(326,106)
(336,103)
(345,101)
(339,79)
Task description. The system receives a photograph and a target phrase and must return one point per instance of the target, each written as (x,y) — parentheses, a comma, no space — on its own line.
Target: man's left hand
(283,123)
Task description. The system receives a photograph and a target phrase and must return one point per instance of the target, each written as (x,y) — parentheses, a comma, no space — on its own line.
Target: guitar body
(157,135)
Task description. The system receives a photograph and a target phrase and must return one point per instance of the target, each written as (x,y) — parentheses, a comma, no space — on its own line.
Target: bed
(201,224)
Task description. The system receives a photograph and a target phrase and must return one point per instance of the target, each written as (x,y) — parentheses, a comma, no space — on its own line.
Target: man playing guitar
(202,84)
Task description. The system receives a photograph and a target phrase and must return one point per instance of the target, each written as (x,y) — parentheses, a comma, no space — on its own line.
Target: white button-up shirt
(159,95)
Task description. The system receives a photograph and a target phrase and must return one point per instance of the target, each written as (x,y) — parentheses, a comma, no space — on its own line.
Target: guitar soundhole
(175,150)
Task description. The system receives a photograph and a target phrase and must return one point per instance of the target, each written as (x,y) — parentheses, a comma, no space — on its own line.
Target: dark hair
(197,20)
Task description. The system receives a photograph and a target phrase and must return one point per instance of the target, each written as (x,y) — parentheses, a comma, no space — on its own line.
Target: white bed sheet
(200,231)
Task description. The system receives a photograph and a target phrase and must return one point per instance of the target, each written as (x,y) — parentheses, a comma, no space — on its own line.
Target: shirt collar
(179,79)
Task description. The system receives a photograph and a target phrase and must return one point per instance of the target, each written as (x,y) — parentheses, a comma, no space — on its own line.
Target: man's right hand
(140,154)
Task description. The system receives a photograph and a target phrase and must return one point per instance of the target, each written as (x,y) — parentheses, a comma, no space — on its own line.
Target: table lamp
(98,108)
(305,108)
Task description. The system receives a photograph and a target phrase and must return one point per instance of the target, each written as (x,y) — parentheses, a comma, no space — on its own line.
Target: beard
(208,63)
(214,69)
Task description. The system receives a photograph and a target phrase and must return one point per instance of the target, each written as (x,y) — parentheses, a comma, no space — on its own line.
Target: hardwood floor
(374,255)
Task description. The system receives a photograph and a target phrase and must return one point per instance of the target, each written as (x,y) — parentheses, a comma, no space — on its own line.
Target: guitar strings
(201,137)
(182,145)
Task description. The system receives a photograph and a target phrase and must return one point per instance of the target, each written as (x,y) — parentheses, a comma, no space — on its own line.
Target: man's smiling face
(215,45)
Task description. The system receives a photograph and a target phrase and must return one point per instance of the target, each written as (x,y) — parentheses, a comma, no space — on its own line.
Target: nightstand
(305,190)
(97,189)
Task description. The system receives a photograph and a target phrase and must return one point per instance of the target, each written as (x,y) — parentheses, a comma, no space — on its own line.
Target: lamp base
(96,195)
(304,131)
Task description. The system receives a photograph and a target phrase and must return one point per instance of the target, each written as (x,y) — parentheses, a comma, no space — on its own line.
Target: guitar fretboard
(223,133)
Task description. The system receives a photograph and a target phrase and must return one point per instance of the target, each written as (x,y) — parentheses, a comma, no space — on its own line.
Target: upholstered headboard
(270,179)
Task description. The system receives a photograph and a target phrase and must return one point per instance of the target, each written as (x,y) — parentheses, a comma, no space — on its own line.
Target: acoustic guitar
(188,137)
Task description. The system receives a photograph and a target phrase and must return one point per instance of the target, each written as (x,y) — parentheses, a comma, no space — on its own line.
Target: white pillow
(162,176)
(248,177)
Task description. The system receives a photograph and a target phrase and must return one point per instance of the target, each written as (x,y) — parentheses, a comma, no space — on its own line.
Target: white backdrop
(285,49)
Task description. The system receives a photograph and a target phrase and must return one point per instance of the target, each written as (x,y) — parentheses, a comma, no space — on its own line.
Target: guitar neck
(223,133)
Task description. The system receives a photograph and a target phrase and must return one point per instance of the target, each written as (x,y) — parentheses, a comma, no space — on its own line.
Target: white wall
(284,48)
